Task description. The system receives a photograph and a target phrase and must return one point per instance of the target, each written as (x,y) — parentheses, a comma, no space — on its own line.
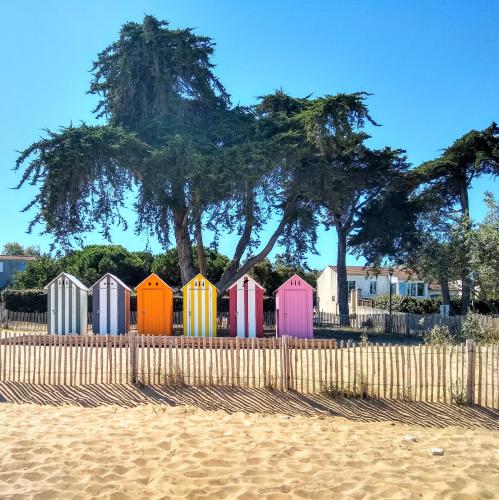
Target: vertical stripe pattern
(247,313)
(110,307)
(200,308)
(67,307)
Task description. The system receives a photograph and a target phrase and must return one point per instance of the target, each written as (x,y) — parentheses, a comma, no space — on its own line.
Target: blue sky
(431,66)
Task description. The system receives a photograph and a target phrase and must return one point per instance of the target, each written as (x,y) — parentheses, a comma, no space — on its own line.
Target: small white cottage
(67,307)
(110,306)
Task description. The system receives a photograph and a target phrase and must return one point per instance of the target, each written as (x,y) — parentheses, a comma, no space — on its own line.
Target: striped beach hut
(294,308)
(110,306)
(67,307)
(246,308)
(200,307)
(154,307)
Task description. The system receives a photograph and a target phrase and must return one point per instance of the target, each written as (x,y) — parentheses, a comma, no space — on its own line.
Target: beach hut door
(295,318)
(152,312)
(108,306)
(246,314)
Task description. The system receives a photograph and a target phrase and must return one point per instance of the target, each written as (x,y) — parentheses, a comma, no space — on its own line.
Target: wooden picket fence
(467,373)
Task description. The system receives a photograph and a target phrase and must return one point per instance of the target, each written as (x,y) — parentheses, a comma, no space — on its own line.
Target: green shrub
(477,328)
(440,335)
(407,304)
(25,300)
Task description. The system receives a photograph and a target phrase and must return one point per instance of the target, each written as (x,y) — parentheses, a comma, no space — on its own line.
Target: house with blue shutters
(10,264)
(364,285)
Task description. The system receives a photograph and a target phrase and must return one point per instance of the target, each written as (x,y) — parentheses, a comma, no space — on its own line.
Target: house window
(412,289)
(351,286)
(372,288)
(393,288)
(1,267)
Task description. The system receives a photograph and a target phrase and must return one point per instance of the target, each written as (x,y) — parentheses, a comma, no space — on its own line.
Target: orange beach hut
(154,307)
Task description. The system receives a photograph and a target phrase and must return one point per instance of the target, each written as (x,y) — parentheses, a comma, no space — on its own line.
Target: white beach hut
(67,307)
(110,306)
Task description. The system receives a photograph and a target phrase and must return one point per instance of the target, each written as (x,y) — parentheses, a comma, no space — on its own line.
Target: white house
(370,285)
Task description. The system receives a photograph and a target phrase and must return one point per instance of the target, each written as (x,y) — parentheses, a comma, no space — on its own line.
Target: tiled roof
(404,274)
(400,273)
(18,257)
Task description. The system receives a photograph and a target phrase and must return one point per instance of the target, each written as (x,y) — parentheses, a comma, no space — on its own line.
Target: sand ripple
(183,452)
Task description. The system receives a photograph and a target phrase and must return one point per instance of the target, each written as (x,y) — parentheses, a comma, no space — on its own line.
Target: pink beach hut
(293,309)
(246,308)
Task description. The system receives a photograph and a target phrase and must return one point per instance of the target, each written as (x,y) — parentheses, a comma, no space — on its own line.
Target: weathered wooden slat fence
(375,322)
(435,373)
(37,322)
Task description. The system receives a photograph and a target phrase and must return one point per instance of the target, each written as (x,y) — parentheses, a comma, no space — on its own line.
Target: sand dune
(156,451)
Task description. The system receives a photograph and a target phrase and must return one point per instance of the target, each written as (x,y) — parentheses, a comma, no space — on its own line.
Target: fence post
(470,376)
(132,341)
(284,361)
(109,350)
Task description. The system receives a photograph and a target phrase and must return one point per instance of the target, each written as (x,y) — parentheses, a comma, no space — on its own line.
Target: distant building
(10,264)
(368,285)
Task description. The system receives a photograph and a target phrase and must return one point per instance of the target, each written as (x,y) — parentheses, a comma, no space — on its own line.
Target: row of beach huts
(68,305)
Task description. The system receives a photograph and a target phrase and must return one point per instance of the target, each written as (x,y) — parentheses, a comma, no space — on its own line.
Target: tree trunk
(184,246)
(465,273)
(465,291)
(444,286)
(235,270)
(341,271)
(198,230)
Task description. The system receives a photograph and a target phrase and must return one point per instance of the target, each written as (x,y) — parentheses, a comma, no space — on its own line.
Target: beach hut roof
(250,278)
(153,276)
(71,278)
(114,278)
(197,277)
(295,276)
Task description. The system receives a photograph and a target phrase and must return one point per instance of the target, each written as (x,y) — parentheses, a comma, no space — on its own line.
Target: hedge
(425,306)
(36,301)
(25,300)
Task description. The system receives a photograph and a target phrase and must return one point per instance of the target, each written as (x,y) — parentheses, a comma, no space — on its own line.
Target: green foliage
(272,277)
(93,261)
(152,72)
(173,139)
(416,223)
(476,328)
(37,273)
(88,265)
(407,304)
(14,248)
(166,266)
(483,244)
(440,335)
(25,300)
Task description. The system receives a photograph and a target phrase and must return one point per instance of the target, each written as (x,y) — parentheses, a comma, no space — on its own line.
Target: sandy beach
(194,443)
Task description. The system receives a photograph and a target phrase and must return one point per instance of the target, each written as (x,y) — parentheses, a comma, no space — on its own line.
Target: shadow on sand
(235,399)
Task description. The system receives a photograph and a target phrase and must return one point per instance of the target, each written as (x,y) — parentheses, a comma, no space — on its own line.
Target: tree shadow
(237,399)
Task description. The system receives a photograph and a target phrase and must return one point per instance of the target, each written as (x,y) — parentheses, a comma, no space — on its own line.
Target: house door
(153,313)
(295,314)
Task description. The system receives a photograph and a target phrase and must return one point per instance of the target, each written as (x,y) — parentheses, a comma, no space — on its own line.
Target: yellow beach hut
(200,307)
